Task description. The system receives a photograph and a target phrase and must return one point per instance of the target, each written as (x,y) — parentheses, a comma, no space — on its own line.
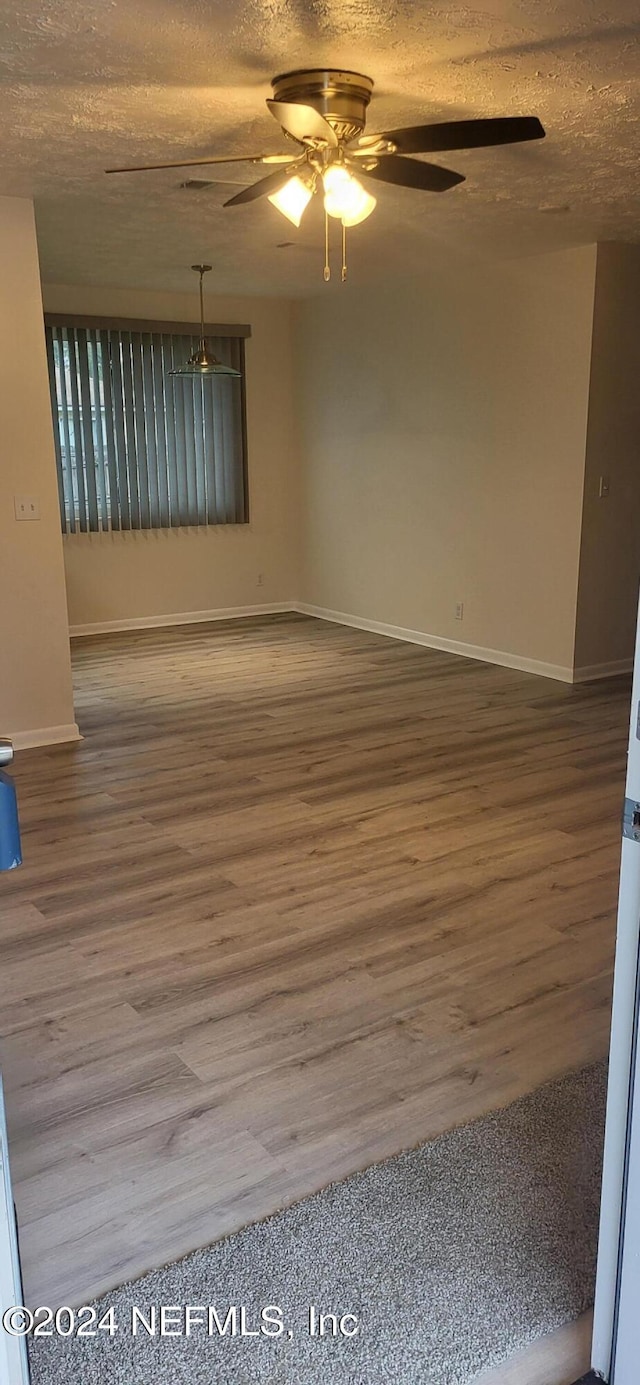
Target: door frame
(621,1167)
(14,1364)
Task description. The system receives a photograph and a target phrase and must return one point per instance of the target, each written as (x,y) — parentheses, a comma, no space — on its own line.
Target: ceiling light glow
(344,197)
(292,199)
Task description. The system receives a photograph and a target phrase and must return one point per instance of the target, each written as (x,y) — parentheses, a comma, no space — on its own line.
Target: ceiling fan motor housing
(341,97)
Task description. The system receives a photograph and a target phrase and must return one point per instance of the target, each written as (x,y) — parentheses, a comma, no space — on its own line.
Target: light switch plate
(27,506)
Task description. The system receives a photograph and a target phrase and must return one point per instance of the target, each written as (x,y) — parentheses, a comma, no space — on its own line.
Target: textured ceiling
(85,84)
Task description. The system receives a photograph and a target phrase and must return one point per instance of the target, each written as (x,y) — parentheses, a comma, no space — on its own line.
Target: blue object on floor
(10,849)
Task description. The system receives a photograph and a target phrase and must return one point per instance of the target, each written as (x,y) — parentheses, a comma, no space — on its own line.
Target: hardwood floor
(562,1358)
(303,897)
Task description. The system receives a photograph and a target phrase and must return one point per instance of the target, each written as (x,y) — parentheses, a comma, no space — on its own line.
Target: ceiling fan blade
(264,186)
(409,173)
(303,122)
(464,134)
(197,163)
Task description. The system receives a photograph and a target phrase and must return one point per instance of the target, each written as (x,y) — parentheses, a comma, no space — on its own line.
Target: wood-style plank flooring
(562,1358)
(302,897)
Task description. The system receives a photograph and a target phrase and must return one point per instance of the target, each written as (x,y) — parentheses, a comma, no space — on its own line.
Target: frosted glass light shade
(344,197)
(203,363)
(361,207)
(292,199)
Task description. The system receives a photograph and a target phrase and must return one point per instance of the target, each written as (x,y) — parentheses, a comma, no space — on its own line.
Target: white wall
(126,577)
(444,427)
(35,676)
(610,548)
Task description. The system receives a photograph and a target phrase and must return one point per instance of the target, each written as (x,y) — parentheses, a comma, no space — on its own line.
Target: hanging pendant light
(203,362)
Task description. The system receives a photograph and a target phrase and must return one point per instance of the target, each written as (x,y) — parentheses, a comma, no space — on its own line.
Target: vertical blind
(137,448)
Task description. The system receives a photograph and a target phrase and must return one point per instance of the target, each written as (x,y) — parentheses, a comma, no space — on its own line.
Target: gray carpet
(453,1256)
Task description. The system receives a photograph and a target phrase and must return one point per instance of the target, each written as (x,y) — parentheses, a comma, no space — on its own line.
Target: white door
(14,1368)
(616,1339)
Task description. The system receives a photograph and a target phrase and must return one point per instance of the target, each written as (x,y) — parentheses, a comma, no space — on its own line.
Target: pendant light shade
(203,362)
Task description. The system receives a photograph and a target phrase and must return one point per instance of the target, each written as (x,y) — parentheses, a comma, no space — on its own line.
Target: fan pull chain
(327,266)
(344,252)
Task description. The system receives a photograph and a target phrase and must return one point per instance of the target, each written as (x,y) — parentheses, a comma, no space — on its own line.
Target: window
(137,448)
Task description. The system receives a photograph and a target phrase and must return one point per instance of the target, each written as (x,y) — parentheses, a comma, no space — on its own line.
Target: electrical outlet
(260,581)
(26,506)
(459,610)
(603,488)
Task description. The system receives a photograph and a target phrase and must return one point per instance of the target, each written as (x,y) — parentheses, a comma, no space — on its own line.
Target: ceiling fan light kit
(324,111)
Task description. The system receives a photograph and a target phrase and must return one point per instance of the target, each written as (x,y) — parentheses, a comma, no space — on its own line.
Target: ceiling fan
(323,112)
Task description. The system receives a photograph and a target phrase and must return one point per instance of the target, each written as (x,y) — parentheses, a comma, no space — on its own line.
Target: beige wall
(123,577)
(35,676)
(441,430)
(610,549)
(444,426)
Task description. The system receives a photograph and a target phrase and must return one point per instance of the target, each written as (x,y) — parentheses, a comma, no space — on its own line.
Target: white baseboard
(501,657)
(111,627)
(590,672)
(467,651)
(43,735)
